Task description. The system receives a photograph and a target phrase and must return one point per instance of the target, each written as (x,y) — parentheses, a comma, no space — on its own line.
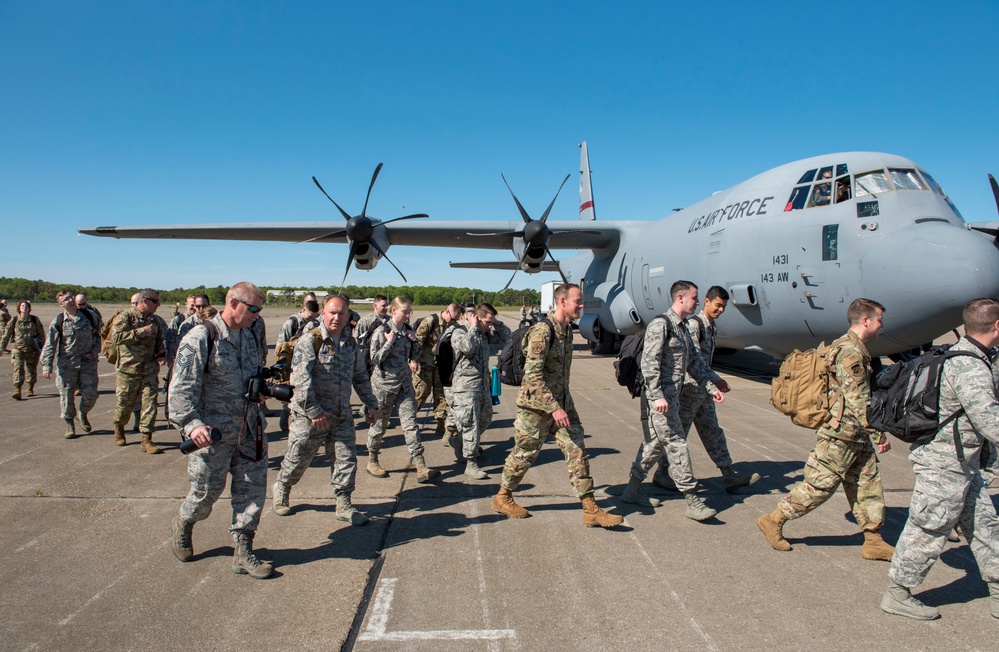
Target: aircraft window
(825,173)
(934,186)
(906,179)
(797,199)
(807,177)
(841,170)
(821,195)
(872,183)
(867,209)
(830,242)
(842,188)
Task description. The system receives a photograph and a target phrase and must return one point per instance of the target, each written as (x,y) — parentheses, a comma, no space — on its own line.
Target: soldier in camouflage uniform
(668,356)
(214,365)
(27,335)
(366,326)
(426,380)
(141,352)
(696,406)
(950,489)
(844,447)
(545,407)
(4,316)
(469,399)
(320,409)
(393,347)
(73,344)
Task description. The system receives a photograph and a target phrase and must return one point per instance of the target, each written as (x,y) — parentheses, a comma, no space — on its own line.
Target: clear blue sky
(181,112)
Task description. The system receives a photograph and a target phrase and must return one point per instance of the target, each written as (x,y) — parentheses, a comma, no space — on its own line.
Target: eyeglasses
(249,306)
(67,300)
(154,301)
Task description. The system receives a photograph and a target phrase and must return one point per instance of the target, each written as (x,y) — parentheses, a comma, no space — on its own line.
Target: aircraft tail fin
(586,210)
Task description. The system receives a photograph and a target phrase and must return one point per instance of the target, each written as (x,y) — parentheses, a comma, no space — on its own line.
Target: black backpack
(905,397)
(511,359)
(445,357)
(628,366)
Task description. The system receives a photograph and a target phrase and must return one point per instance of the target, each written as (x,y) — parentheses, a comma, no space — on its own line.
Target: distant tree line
(15,289)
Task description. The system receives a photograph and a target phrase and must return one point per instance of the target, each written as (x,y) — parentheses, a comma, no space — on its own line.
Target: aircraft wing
(509,265)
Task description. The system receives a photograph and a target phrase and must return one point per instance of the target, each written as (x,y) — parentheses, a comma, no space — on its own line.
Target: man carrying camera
(208,403)
(326,363)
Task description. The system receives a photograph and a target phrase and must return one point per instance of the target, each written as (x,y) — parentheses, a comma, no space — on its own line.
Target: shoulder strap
(701,327)
(213,335)
(317,339)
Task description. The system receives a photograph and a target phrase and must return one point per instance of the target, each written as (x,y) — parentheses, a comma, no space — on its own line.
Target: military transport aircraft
(793,246)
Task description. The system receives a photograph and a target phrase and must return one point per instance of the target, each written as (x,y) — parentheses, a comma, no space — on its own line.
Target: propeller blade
(549,209)
(350,259)
(557,266)
(995,190)
(516,233)
(375,246)
(511,279)
(346,216)
(333,234)
(364,211)
(404,217)
(523,213)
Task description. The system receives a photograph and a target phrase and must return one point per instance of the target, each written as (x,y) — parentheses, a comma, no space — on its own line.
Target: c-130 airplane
(793,246)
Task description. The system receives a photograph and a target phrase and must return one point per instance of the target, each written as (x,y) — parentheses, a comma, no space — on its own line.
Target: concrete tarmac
(87,563)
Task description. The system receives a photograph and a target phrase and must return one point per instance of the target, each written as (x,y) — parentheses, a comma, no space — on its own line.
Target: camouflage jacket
(364,325)
(850,377)
(24,335)
(547,362)
(174,328)
(669,355)
(137,351)
(472,349)
(295,326)
(323,380)
(390,364)
(970,384)
(72,340)
(214,397)
(4,320)
(427,334)
(704,343)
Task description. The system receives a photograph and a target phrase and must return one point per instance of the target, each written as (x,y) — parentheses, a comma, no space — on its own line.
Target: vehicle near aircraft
(793,246)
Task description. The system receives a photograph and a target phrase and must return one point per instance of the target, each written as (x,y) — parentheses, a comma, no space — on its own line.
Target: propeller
(360,228)
(995,189)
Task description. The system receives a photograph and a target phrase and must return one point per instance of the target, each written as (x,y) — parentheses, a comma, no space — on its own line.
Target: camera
(188,446)
(259,385)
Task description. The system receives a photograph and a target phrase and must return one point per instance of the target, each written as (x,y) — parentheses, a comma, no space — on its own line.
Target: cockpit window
(934,186)
(807,177)
(841,169)
(843,188)
(797,199)
(825,173)
(906,179)
(872,183)
(821,194)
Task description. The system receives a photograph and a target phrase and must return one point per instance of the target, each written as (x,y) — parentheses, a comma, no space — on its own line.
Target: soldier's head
(380,305)
(310,296)
(715,301)
(149,301)
(401,309)
(866,318)
(189,305)
(135,299)
(568,303)
(243,305)
(67,300)
(335,314)
(981,320)
(487,317)
(311,310)
(450,313)
(684,296)
(3,303)
(201,301)
(23,308)
(81,300)
(467,310)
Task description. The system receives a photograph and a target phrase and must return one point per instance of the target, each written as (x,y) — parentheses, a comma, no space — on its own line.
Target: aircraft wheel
(605,341)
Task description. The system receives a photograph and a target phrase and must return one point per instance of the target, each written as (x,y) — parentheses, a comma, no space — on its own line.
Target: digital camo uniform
(426,380)
(668,356)
(469,396)
(138,369)
(949,488)
(364,331)
(322,383)
(392,382)
(215,397)
(73,344)
(545,389)
(26,338)
(259,330)
(295,326)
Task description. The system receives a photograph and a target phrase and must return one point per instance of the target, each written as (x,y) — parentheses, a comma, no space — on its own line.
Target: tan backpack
(108,348)
(802,388)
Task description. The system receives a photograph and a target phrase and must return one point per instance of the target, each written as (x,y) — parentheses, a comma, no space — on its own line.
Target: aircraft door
(646,289)
(818,271)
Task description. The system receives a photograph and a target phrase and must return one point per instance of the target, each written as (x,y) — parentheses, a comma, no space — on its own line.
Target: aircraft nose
(924,274)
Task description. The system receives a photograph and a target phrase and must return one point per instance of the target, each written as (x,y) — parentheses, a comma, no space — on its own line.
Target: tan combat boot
(424,473)
(771,525)
(244,562)
(345,511)
(85,422)
(147,445)
(119,435)
(503,503)
(280,501)
(31,389)
(180,539)
(374,468)
(875,548)
(70,430)
(17,394)
(593,516)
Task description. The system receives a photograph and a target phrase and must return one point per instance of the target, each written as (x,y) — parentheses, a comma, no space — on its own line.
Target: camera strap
(256,430)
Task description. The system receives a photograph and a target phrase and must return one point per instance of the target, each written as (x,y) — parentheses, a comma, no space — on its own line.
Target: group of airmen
(391,366)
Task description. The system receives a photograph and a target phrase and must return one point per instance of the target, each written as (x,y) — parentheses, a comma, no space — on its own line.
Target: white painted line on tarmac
(377,629)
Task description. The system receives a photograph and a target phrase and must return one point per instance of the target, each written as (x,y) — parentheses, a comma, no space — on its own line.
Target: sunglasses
(249,306)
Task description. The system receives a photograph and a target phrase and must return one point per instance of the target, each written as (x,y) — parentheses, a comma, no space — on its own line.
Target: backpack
(802,390)
(628,366)
(905,397)
(445,357)
(511,358)
(364,340)
(284,350)
(108,348)
(433,317)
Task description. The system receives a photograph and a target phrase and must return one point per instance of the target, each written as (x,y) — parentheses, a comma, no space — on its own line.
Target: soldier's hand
(561,418)
(415,368)
(47,374)
(148,329)
(411,335)
(661,405)
(718,397)
(321,422)
(372,416)
(885,447)
(390,337)
(723,386)
(473,320)
(201,437)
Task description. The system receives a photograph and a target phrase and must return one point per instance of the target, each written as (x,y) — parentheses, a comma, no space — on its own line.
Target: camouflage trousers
(25,365)
(697,409)
(404,399)
(941,500)
(831,463)
(207,469)
(130,388)
(68,380)
(427,381)
(531,429)
(303,444)
(472,412)
(665,438)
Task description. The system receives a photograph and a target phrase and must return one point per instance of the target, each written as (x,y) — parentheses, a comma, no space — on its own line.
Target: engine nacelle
(609,312)
(535,258)
(366,256)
